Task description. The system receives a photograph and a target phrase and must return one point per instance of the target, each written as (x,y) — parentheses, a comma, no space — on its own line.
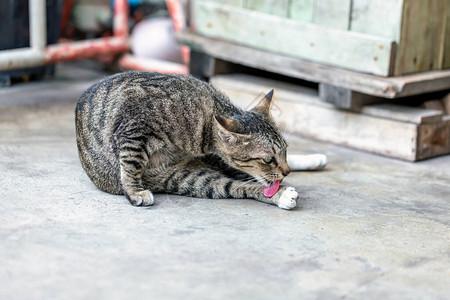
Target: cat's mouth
(272,188)
(266,182)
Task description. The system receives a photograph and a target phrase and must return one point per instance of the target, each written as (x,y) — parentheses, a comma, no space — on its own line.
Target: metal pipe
(131,62)
(120,21)
(90,48)
(38,54)
(175,8)
(38,25)
(84,49)
(20,58)
(34,55)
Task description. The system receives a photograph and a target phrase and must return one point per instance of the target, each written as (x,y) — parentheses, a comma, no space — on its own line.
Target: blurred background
(365,82)
(390,60)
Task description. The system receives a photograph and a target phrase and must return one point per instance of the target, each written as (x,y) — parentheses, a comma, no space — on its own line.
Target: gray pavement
(367,227)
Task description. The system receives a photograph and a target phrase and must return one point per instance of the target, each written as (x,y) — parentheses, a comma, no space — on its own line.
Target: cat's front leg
(285,198)
(133,160)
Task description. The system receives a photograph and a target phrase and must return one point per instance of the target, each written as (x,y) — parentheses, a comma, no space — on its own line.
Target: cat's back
(176,110)
(144,90)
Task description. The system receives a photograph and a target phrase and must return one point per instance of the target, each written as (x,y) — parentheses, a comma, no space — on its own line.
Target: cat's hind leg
(134,156)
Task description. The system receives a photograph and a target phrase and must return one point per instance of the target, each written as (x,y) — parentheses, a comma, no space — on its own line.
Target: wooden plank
(369,133)
(273,7)
(366,16)
(435,104)
(302,10)
(332,13)
(290,92)
(254,84)
(403,113)
(446,58)
(345,98)
(434,139)
(446,103)
(387,137)
(390,87)
(239,3)
(204,66)
(346,49)
(422,36)
(421,83)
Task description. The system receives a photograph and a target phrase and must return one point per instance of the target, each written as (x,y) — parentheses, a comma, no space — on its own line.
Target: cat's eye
(267,160)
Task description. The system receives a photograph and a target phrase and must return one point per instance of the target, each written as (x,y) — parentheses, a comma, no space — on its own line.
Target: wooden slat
(390,87)
(327,124)
(303,113)
(332,13)
(422,36)
(273,7)
(446,58)
(239,3)
(403,113)
(290,92)
(345,98)
(302,10)
(446,103)
(346,49)
(434,139)
(380,18)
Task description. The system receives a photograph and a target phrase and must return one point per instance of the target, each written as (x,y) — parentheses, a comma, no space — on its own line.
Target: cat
(140,133)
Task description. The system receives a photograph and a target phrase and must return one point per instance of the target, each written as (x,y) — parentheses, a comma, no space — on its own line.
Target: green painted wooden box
(381,37)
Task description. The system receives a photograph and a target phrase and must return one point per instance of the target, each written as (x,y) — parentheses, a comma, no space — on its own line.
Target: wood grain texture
(380,18)
(303,113)
(239,3)
(345,98)
(332,13)
(446,58)
(273,7)
(341,48)
(446,103)
(302,10)
(422,36)
(387,87)
(435,104)
(433,139)
(403,113)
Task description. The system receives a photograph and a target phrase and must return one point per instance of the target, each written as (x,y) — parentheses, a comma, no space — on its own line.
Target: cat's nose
(286,172)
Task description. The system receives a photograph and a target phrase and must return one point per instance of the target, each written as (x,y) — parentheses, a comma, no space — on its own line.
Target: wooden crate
(406,133)
(391,37)
(343,88)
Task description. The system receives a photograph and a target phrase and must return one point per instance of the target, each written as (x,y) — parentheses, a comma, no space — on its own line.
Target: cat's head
(252,143)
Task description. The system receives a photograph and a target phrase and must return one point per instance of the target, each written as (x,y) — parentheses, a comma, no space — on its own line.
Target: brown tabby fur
(140,133)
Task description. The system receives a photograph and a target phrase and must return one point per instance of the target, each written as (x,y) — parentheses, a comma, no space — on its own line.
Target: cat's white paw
(288,198)
(144,198)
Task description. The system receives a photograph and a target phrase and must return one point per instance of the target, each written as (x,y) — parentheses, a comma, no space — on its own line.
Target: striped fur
(140,133)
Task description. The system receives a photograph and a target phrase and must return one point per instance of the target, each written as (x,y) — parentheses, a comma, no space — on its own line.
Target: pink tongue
(272,189)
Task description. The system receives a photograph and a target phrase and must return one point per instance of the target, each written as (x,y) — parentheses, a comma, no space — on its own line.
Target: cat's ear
(227,124)
(264,105)
(227,131)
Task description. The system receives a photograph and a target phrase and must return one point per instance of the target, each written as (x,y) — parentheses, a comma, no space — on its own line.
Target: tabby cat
(141,133)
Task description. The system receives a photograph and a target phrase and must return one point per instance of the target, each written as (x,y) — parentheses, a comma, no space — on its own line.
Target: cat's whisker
(239,186)
(287,133)
(258,179)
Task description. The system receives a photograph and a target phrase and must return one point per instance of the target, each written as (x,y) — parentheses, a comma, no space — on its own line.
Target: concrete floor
(367,227)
